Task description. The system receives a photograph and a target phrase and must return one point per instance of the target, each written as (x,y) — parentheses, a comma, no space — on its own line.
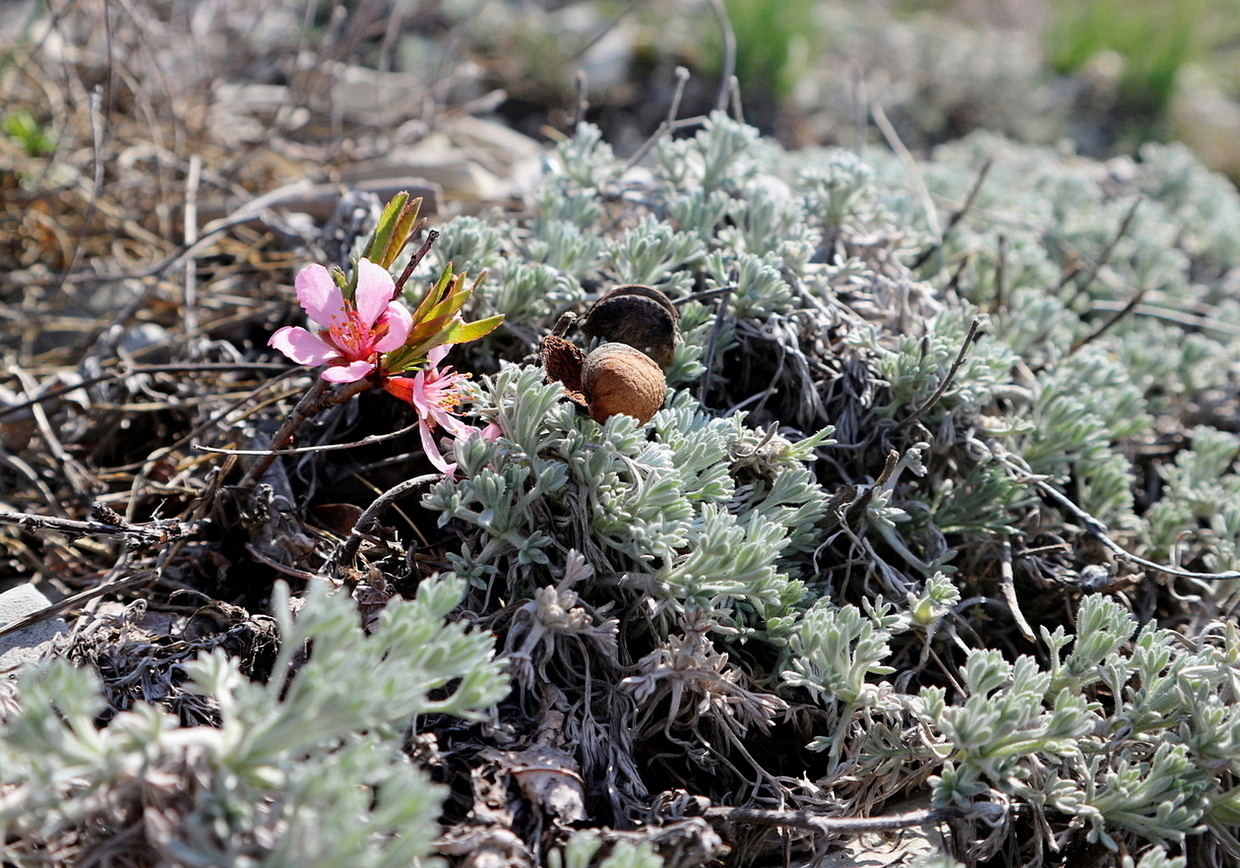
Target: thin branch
(137,535)
(956,216)
(98,134)
(953,283)
(1001,274)
(1188,320)
(906,156)
(861,110)
(121,373)
(1099,530)
(74,473)
(1008,586)
(669,122)
(346,551)
(847,511)
(1109,251)
(415,260)
(829,825)
(369,440)
(318,398)
(761,444)
(951,373)
(704,295)
(105,344)
(144,467)
(581,102)
(283,569)
(127,371)
(738,110)
(192,182)
(712,342)
(1110,322)
(728,34)
(582,49)
(244,214)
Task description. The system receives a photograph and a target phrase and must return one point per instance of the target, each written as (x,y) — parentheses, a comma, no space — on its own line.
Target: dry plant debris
(935,525)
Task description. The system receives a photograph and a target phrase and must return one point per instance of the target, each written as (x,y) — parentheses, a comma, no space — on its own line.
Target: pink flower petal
(436,355)
(320,298)
(491,432)
(399,323)
(375,288)
(450,423)
(432,452)
(302,346)
(350,373)
(417,394)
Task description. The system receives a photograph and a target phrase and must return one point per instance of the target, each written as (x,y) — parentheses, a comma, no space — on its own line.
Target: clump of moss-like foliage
(943,505)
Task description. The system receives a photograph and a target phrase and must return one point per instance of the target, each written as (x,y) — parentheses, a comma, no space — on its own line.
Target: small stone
(29,643)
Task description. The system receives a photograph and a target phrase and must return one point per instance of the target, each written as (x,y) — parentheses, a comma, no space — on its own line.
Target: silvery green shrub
(700,531)
(307,768)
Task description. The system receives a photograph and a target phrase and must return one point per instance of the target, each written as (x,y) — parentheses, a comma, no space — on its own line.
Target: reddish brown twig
(319,398)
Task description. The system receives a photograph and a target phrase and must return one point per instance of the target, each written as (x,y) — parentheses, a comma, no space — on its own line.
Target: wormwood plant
(865,460)
(922,517)
(307,768)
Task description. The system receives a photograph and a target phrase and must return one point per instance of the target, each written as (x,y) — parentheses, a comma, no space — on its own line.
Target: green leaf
(433,295)
(384,231)
(464,332)
(402,231)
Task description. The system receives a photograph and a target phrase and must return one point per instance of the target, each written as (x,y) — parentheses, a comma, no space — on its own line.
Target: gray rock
(29,643)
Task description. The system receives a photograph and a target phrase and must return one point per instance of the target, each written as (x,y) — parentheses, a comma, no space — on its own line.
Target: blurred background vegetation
(1107,74)
(1104,74)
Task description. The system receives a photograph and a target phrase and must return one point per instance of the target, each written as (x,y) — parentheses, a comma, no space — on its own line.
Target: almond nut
(617,378)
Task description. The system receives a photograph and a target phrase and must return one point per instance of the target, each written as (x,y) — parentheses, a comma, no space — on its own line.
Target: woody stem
(319,398)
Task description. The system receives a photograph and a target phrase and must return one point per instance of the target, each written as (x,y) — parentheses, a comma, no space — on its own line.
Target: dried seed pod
(617,378)
(562,361)
(640,316)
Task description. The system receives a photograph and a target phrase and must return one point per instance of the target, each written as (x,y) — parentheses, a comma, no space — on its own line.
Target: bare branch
(348,549)
(136,535)
(829,825)
(951,373)
(1102,533)
(956,216)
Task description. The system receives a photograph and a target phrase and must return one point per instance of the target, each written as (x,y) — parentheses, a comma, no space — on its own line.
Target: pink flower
(434,394)
(353,334)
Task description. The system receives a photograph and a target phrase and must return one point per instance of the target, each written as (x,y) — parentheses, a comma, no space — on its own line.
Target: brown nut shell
(617,378)
(562,361)
(640,316)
